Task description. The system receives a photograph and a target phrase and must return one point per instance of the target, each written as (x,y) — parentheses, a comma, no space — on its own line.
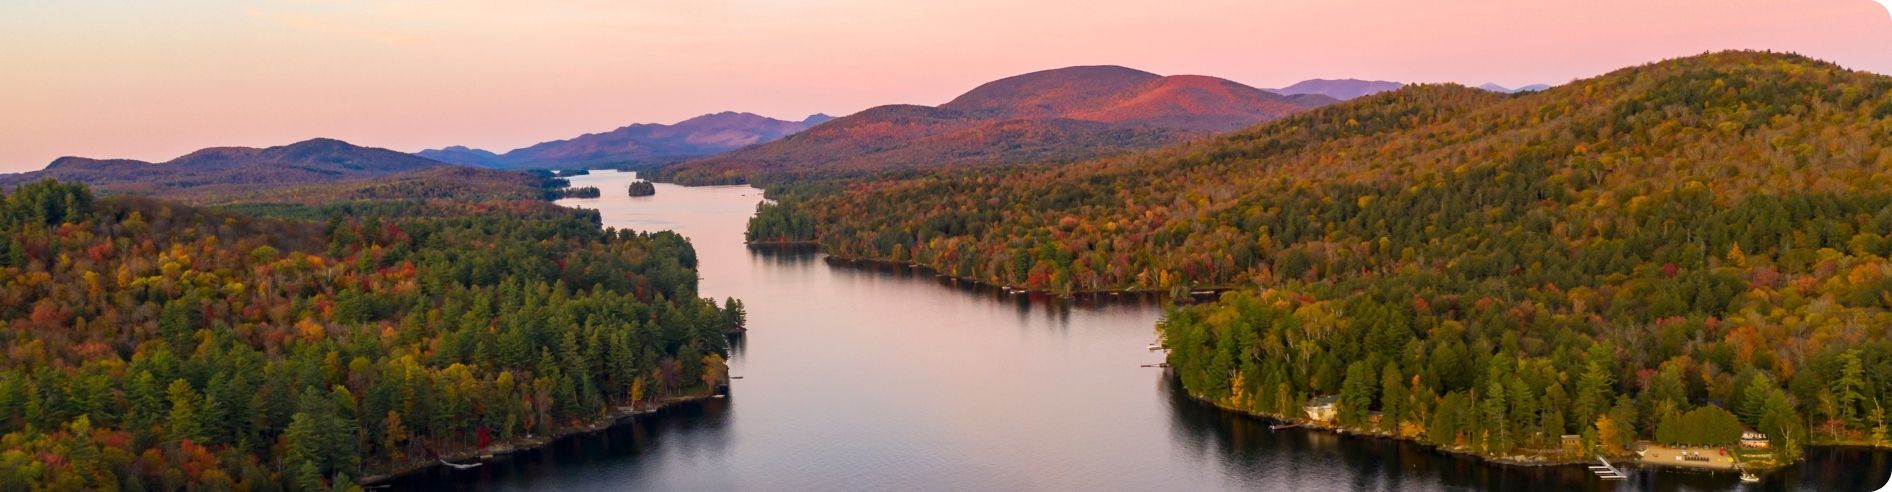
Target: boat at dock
(460,466)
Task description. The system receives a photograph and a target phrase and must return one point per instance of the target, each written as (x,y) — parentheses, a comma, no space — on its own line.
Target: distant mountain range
(233,174)
(1503,90)
(1342,89)
(1060,114)
(644,143)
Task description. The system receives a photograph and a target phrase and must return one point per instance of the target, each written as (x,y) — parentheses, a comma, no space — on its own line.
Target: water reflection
(1054,308)
(784,254)
(620,453)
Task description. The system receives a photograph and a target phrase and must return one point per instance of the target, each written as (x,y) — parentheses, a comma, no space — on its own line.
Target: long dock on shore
(1607,471)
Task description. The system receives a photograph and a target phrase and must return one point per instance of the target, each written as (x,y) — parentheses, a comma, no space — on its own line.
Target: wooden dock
(1607,471)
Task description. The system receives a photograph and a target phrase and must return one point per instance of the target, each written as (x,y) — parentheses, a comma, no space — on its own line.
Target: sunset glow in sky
(154,80)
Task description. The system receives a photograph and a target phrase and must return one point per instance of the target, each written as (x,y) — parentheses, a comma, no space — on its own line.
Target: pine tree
(178,323)
(1394,399)
(302,447)
(735,318)
(1497,435)
(147,400)
(184,424)
(1849,389)
(307,478)
(1753,403)
(1593,388)
(1356,394)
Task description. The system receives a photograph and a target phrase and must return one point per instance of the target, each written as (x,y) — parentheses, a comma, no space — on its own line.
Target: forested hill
(311,171)
(644,144)
(1051,115)
(1704,231)
(151,345)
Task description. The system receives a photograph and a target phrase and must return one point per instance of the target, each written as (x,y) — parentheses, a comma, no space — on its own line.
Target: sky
(155,80)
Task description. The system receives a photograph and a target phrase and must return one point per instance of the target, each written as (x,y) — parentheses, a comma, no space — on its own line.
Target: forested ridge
(151,345)
(1635,255)
(1053,115)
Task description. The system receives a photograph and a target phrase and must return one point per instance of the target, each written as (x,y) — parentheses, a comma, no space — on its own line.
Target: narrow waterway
(865,377)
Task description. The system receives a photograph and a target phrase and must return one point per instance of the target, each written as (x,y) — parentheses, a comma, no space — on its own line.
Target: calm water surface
(884,378)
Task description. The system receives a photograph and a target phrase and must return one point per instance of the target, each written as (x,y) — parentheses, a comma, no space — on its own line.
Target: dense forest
(1633,256)
(642,188)
(779,223)
(151,345)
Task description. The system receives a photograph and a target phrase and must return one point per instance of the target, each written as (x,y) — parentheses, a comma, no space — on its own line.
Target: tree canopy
(154,345)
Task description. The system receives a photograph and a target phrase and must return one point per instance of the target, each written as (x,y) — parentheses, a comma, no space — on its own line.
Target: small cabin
(1755,440)
(1573,442)
(1322,409)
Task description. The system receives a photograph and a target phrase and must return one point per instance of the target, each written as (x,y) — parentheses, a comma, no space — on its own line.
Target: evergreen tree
(1497,437)
(1849,390)
(1594,387)
(184,423)
(1356,394)
(1394,398)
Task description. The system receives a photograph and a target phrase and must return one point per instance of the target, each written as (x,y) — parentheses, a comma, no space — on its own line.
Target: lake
(875,377)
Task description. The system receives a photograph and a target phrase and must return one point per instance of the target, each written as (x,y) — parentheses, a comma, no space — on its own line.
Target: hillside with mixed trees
(1634,255)
(152,345)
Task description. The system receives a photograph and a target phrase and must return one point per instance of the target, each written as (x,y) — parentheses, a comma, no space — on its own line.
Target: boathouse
(1755,440)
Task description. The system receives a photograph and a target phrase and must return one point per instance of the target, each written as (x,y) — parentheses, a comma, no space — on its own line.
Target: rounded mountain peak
(1050,92)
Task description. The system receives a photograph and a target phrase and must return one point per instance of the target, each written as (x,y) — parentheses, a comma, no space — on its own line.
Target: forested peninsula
(153,345)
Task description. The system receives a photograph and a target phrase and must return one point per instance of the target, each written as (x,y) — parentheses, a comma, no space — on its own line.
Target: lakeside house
(1573,443)
(1322,409)
(1754,440)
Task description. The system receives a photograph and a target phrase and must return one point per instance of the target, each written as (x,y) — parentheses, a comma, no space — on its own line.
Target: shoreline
(618,416)
(1198,293)
(1202,293)
(1630,461)
(784,242)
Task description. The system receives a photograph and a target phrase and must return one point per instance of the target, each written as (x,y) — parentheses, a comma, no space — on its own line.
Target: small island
(643,188)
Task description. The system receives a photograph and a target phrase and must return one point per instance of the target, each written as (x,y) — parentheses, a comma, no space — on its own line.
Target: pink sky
(154,80)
